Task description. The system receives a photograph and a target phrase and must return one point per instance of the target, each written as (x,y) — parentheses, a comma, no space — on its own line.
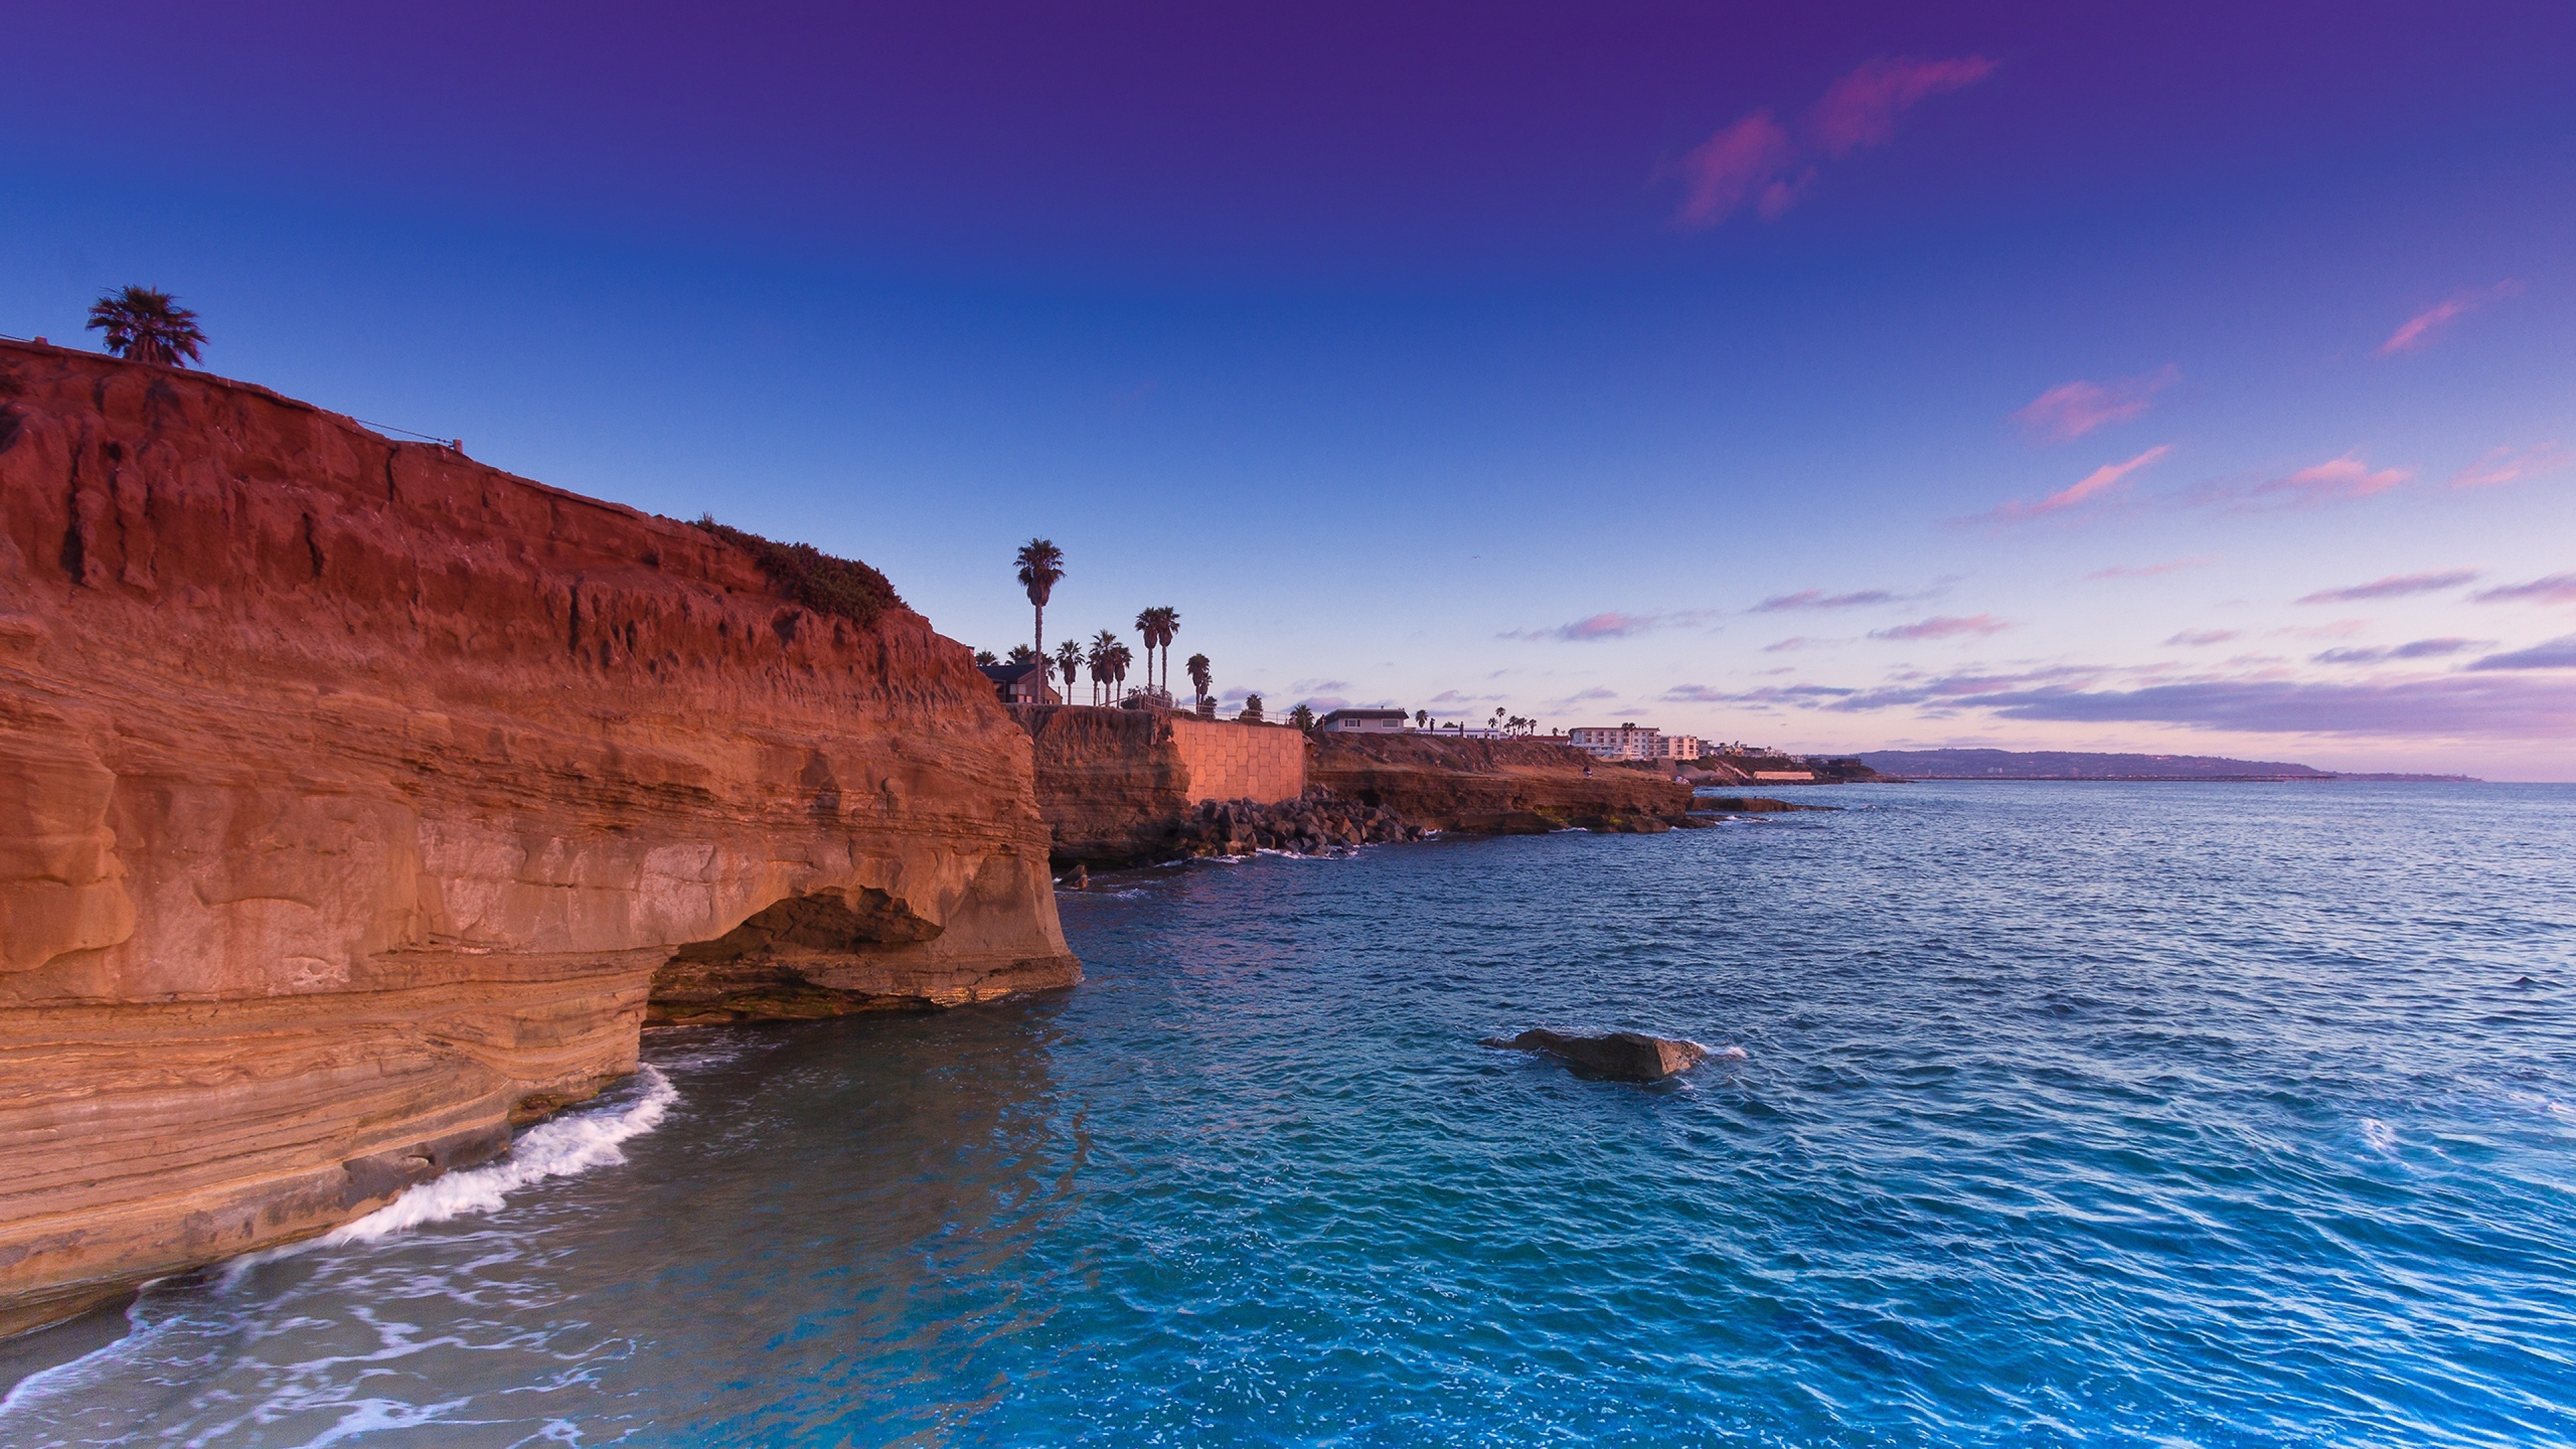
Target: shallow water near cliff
(2200,1114)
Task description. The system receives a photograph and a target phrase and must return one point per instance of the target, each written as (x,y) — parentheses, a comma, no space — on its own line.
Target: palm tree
(1068,662)
(1098,658)
(1041,564)
(985,657)
(1252,708)
(1120,656)
(1303,718)
(144,325)
(1023,654)
(1158,624)
(1422,719)
(1197,665)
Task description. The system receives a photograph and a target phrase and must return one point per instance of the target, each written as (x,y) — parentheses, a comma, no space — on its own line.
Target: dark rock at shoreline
(1317,823)
(1620,1056)
(1749,805)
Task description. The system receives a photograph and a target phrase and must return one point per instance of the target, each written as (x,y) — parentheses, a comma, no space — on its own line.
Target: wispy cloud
(1783,646)
(2149,571)
(2510,465)
(2419,649)
(2395,586)
(1610,625)
(2099,483)
(1582,696)
(2331,481)
(2418,330)
(2555,589)
(1944,627)
(1819,599)
(2519,699)
(2558,653)
(1747,162)
(2072,409)
(2201,638)
(1762,163)
(2438,706)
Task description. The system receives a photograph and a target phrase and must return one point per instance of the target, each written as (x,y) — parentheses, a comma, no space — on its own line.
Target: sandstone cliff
(1493,786)
(1115,785)
(354,798)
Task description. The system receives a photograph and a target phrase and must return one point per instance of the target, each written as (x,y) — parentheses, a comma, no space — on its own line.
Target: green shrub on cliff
(811,577)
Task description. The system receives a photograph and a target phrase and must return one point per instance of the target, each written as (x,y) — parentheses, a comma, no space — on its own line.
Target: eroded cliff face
(354,797)
(1493,786)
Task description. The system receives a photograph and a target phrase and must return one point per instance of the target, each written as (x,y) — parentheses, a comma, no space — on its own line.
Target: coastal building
(1680,749)
(1627,742)
(1344,720)
(1021,683)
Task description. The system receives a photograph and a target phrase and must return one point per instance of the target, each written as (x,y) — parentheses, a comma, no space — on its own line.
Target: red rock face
(352,794)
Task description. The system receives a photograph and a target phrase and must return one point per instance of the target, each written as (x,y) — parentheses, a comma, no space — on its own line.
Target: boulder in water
(1621,1056)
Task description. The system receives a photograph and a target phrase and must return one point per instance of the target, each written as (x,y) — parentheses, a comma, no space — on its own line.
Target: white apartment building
(1633,742)
(1627,742)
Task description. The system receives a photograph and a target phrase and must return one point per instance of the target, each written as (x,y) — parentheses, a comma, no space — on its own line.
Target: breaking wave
(557,1147)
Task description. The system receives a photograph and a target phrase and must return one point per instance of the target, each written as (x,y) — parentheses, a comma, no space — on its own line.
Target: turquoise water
(2206,1115)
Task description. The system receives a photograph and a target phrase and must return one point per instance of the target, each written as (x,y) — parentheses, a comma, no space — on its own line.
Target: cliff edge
(1488,787)
(357,800)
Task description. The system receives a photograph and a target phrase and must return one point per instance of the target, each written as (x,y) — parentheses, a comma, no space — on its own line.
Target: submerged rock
(1623,1056)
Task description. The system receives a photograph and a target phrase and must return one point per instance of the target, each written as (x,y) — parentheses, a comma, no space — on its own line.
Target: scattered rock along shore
(362,801)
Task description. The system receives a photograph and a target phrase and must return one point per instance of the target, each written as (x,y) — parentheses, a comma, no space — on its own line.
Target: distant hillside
(2074,765)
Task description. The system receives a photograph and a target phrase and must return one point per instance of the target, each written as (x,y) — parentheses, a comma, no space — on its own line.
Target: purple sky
(2193,378)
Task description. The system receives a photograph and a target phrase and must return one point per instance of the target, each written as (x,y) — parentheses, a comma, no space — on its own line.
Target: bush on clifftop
(811,577)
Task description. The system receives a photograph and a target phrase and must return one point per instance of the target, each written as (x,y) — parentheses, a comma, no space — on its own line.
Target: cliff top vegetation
(819,581)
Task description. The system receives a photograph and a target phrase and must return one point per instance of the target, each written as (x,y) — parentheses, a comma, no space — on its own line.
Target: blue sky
(2003,377)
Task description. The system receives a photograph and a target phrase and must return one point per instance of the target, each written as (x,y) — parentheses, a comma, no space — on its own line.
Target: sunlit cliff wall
(354,796)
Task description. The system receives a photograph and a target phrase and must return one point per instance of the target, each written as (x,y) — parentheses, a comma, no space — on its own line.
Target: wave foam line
(559,1147)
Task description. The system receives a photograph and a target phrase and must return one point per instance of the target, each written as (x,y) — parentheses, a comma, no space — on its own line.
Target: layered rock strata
(355,797)
(1494,786)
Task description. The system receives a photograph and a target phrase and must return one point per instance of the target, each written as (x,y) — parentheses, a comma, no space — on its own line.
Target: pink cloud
(1861,109)
(2418,330)
(2506,465)
(1730,168)
(2330,481)
(1757,162)
(2072,409)
(1610,625)
(2198,638)
(2395,586)
(2555,589)
(2092,485)
(1944,627)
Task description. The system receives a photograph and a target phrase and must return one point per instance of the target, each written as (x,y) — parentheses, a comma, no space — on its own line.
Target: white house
(1349,720)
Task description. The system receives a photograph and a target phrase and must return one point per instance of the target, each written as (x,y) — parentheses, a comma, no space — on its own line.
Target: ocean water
(2101,1114)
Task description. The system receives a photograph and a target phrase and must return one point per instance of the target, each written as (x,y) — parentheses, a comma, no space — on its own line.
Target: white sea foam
(558,1147)
(2380,1137)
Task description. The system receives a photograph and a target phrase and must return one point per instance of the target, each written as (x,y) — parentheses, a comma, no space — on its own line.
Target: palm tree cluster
(1158,624)
(147,325)
(1108,658)
(1041,567)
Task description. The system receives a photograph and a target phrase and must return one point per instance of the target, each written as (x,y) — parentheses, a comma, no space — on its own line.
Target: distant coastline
(2078,765)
